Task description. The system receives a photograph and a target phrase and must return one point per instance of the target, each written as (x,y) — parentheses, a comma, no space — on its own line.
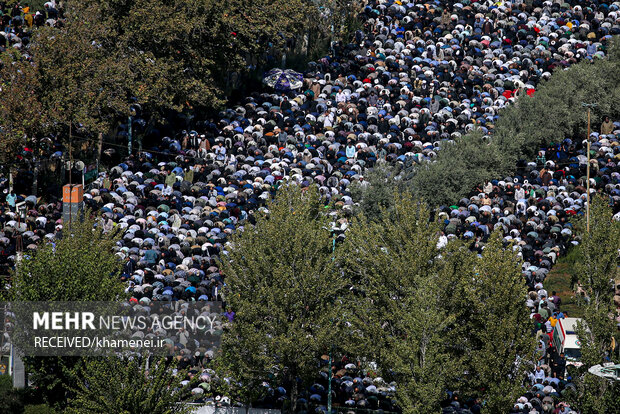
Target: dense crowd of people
(18,19)
(417,76)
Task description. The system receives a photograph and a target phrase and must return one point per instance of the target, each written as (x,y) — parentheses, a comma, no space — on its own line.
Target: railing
(210,409)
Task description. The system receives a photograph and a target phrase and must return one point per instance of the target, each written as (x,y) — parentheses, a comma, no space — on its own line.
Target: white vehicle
(565,340)
(607,370)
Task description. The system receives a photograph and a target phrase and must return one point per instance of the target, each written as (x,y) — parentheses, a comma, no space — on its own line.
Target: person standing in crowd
(11,199)
(558,365)
(220,151)
(350,151)
(607,127)
(538,375)
(229,314)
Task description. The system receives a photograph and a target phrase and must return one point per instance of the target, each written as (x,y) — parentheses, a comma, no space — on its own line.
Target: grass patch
(39,409)
(560,279)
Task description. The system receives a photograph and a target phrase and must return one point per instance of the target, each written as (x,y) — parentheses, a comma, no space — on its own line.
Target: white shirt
(329,120)
(220,152)
(442,242)
(541,293)
(519,194)
(539,374)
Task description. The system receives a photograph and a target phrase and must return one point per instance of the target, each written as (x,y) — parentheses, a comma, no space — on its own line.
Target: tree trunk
(294,394)
(36,161)
(35,178)
(304,44)
(99,146)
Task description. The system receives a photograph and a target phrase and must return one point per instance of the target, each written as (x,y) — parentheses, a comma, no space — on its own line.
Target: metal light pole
(16,364)
(129,135)
(70,175)
(331,348)
(589,106)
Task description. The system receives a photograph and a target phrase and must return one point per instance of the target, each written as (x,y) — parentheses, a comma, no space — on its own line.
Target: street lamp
(589,106)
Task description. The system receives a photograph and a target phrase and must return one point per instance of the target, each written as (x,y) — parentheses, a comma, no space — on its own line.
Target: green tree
(179,54)
(20,112)
(597,269)
(80,267)
(595,395)
(488,337)
(169,48)
(166,55)
(393,259)
(499,343)
(459,168)
(81,87)
(248,370)
(68,85)
(555,111)
(375,196)
(128,386)
(285,289)
(10,398)
(269,21)
(39,409)
(438,319)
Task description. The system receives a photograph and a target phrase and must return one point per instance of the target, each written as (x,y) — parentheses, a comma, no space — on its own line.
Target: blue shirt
(150,256)
(10,198)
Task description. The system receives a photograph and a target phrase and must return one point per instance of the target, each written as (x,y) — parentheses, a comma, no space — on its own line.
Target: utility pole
(129,135)
(589,106)
(7,368)
(70,170)
(16,364)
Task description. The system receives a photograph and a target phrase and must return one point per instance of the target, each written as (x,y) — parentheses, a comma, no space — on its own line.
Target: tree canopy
(80,267)
(84,74)
(597,271)
(20,112)
(399,299)
(128,386)
(437,319)
(286,291)
(393,261)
